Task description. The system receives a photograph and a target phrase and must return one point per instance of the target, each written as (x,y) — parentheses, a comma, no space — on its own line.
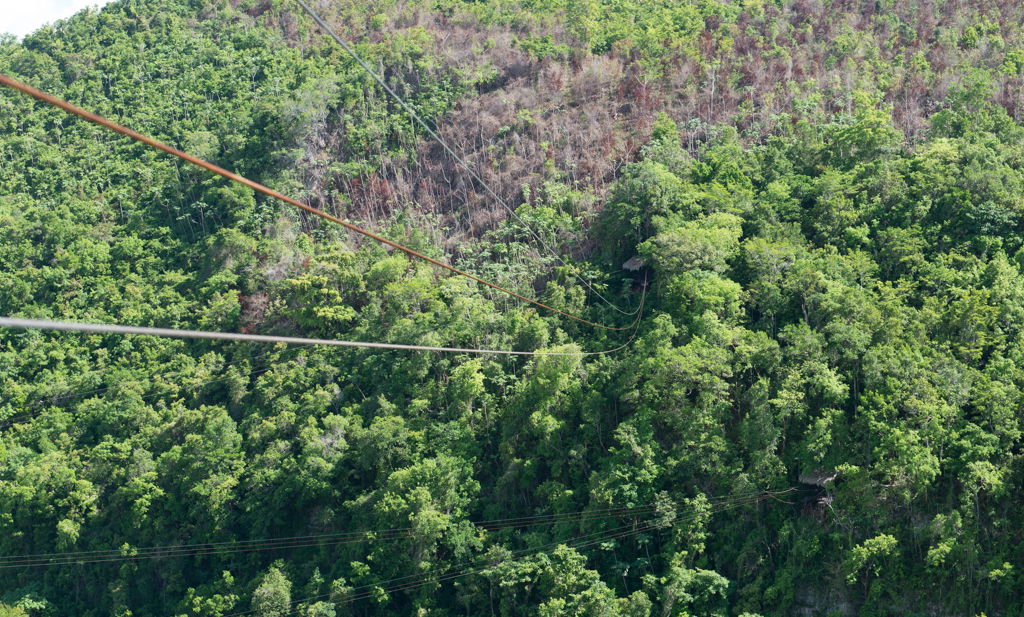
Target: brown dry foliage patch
(579,119)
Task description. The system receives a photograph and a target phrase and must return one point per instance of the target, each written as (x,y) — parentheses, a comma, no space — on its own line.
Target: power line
(484,524)
(585,541)
(581,543)
(333,539)
(577,543)
(402,583)
(266,544)
(468,568)
(437,137)
(149,141)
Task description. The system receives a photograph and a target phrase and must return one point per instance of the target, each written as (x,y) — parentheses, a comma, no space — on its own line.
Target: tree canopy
(826,199)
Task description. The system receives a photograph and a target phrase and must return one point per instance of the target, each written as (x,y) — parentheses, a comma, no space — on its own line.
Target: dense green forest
(825,197)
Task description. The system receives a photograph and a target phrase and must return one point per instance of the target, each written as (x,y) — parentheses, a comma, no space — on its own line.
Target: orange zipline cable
(256,186)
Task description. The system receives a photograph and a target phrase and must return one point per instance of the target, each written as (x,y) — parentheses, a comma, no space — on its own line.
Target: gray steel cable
(74,326)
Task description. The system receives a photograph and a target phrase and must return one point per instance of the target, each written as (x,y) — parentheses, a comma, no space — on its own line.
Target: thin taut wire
(437,137)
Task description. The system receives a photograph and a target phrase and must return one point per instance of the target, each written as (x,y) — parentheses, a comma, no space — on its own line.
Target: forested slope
(828,202)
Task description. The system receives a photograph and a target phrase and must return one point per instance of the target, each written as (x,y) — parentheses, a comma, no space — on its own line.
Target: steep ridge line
(149,141)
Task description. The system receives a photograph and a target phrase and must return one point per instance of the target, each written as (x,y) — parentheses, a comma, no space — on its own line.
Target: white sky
(20,17)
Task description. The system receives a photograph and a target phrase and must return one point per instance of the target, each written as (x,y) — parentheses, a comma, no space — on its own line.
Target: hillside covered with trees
(820,412)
